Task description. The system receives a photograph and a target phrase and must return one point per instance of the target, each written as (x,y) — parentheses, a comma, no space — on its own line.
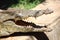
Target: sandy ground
(18,38)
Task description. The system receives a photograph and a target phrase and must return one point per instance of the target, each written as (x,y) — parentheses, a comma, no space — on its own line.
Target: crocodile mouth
(24,23)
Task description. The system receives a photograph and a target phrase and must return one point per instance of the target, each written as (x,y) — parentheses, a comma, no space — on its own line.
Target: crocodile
(7,26)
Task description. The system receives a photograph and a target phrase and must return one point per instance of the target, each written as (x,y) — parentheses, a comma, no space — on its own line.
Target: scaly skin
(9,27)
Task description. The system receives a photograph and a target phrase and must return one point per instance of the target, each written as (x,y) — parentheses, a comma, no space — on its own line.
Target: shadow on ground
(38,35)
